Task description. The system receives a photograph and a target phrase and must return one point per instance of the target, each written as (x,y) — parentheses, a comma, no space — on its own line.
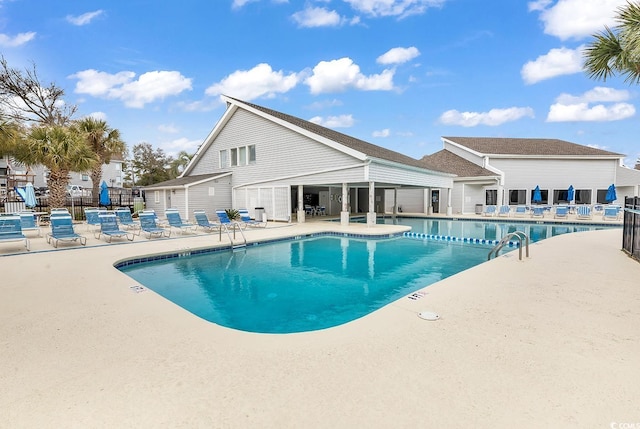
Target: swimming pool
(312,283)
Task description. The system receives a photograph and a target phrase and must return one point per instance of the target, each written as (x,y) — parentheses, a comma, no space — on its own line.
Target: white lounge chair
(583,212)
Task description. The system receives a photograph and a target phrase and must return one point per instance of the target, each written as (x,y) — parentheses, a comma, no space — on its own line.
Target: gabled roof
(353,143)
(449,162)
(531,147)
(184,181)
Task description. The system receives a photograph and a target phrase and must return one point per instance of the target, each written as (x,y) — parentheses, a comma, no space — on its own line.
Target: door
(435,201)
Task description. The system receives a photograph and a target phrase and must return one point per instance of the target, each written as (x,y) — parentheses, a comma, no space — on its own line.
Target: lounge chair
(489,211)
(149,226)
(109,228)
(520,211)
(62,229)
(611,213)
(175,221)
(126,221)
(504,211)
(28,222)
(11,230)
(583,212)
(202,221)
(561,212)
(225,221)
(246,219)
(93,217)
(537,211)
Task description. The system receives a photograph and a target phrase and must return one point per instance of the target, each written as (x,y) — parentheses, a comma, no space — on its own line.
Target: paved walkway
(552,341)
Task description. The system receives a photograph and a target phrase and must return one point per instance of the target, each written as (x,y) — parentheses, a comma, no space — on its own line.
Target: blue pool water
(315,283)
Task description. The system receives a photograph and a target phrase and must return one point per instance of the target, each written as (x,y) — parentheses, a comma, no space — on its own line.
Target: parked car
(74,191)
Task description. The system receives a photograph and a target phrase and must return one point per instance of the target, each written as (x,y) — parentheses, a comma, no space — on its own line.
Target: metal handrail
(519,235)
(226,228)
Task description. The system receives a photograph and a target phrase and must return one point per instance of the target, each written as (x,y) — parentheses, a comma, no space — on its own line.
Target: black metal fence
(631,227)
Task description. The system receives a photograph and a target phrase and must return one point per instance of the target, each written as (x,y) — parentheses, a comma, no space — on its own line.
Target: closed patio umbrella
(104,194)
(611,194)
(30,196)
(570,193)
(537,195)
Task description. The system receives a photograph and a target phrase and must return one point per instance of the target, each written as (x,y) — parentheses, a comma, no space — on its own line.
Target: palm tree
(9,135)
(177,166)
(105,142)
(61,150)
(617,51)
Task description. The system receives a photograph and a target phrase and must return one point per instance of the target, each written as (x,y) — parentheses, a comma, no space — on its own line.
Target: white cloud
(576,19)
(85,18)
(597,94)
(572,108)
(317,17)
(493,117)
(382,133)
(340,75)
(557,62)
(149,87)
(342,121)
(581,112)
(239,3)
(398,55)
(260,81)
(400,8)
(167,128)
(173,147)
(17,40)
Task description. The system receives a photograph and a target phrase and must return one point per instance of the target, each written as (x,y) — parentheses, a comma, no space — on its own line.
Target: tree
(177,165)
(105,142)
(149,166)
(61,149)
(25,100)
(617,51)
(10,133)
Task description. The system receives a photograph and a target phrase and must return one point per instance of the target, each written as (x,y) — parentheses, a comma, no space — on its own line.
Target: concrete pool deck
(552,341)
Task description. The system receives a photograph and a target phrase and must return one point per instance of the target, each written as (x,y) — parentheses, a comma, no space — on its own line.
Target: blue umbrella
(570,193)
(537,195)
(30,196)
(104,194)
(611,194)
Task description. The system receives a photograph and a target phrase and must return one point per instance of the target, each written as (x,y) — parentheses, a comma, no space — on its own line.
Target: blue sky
(396,73)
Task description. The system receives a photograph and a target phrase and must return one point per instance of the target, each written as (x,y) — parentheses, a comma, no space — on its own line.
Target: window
(491,197)
(252,154)
(85,178)
(517,196)
(242,155)
(545,197)
(583,196)
(156,196)
(601,197)
(223,159)
(234,157)
(560,196)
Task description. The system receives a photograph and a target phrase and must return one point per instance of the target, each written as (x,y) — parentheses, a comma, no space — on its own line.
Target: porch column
(300,216)
(371,214)
(449,209)
(427,202)
(395,202)
(344,213)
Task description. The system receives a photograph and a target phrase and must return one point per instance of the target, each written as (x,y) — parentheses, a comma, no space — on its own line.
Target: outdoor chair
(62,230)
(489,210)
(583,212)
(225,221)
(611,213)
(246,219)
(149,226)
(175,221)
(126,220)
(537,211)
(109,228)
(92,216)
(520,211)
(202,221)
(28,222)
(11,230)
(504,211)
(561,212)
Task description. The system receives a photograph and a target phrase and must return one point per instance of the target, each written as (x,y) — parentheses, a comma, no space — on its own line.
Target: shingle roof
(451,163)
(368,149)
(523,146)
(181,181)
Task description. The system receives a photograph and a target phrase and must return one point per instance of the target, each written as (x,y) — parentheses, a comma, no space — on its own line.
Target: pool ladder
(505,241)
(234,246)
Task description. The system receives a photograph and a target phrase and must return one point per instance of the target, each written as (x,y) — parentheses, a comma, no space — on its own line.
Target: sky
(396,73)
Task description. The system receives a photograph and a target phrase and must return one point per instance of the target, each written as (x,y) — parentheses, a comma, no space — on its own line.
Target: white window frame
(251,154)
